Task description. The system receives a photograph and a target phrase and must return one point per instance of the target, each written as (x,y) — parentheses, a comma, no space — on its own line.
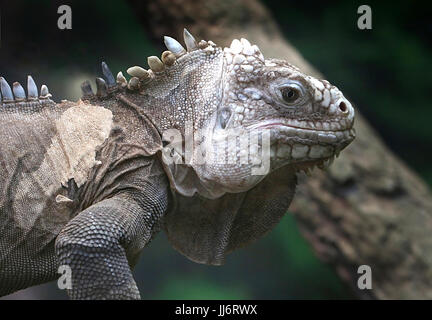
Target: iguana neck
(188,92)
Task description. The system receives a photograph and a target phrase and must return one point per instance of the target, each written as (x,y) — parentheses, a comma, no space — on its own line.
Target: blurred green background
(386,72)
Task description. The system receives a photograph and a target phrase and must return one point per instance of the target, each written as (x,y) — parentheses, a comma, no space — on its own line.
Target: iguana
(88,184)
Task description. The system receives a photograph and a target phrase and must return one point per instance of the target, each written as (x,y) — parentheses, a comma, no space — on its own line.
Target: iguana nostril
(343,107)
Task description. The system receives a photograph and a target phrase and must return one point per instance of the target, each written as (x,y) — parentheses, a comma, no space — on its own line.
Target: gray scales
(88,184)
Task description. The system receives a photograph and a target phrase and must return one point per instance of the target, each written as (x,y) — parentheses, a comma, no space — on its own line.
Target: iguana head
(240,114)
(310,119)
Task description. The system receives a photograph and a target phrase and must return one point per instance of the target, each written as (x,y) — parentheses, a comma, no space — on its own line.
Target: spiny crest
(17,94)
(104,86)
(139,75)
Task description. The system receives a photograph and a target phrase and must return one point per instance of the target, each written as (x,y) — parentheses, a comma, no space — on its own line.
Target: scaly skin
(206,145)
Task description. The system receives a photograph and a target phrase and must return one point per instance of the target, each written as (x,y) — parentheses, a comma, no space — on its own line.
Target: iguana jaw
(305,148)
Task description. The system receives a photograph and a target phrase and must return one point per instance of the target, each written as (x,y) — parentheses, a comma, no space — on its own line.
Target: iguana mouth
(284,133)
(327,126)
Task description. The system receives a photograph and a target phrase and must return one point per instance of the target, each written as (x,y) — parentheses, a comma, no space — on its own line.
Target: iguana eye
(291,93)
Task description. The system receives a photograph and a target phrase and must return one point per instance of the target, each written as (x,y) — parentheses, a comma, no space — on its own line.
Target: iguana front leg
(102,243)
